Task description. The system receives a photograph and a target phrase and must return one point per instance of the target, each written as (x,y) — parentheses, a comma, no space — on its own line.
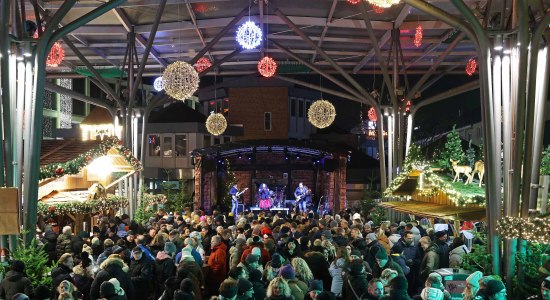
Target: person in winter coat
(112,267)
(356,283)
(298,288)
(457,253)
(245,289)
(376,289)
(217,264)
(383,261)
(15,281)
(50,244)
(164,267)
(108,291)
(63,271)
(409,251)
(78,241)
(472,286)
(272,268)
(236,252)
(259,288)
(336,268)
(257,243)
(372,248)
(383,241)
(278,289)
(441,241)
(399,286)
(64,242)
(430,261)
(141,272)
(82,276)
(108,245)
(319,266)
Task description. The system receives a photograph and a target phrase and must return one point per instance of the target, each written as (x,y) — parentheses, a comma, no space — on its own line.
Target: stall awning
(433,210)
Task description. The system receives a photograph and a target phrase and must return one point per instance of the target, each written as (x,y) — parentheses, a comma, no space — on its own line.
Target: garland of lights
(249,35)
(377,9)
(530,229)
(267,66)
(321,113)
(181,80)
(75,165)
(372,114)
(383,3)
(216,123)
(82,207)
(471,66)
(418,36)
(158,84)
(202,64)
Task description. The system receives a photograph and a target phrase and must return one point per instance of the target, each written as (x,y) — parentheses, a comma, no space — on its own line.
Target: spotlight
(240,155)
(287,157)
(297,156)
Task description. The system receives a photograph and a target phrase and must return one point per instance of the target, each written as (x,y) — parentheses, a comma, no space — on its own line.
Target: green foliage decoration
(479,259)
(74,166)
(369,206)
(36,262)
(529,261)
(82,207)
(453,150)
(176,200)
(545,162)
(533,229)
(471,155)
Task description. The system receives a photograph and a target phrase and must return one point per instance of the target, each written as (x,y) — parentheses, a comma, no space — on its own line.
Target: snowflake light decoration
(202,64)
(158,84)
(471,67)
(321,113)
(267,66)
(216,123)
(418,36)
(180,80)
(249,35)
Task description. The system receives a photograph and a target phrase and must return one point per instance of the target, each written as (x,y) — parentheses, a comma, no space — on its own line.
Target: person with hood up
(472,286)
(108,291)
(15,281)
(217,262)
(164,267)
(399,287)
(112,267)
(298,288)
(141,273)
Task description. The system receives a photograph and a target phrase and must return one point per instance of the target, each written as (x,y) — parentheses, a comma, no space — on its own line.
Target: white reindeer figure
(465,170)
(479,168)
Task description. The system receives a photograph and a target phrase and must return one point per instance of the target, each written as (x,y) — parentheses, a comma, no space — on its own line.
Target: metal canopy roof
(187,26)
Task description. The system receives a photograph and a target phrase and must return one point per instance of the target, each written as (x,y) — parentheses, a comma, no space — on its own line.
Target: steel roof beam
(325,29)
(197,29)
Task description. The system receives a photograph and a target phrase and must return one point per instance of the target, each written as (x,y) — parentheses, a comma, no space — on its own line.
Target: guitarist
(302,196)
(235,194)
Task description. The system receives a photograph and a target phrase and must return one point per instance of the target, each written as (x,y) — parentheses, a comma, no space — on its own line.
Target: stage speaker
(240,208)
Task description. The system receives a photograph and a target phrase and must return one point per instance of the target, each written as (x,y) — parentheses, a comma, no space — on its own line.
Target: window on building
(206,141)
(267,121)
(181,145)
(293,107)
(226,139)
(300,109)
(167,146)
(154,145)
(216,141)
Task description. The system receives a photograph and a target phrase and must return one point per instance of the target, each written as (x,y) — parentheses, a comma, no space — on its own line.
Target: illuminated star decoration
(471,66)
(158,84)
(267,66)
(418,36)
(249,35)
(202,64)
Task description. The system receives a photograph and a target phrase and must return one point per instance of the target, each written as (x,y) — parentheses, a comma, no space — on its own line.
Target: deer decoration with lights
(479,168)
(464,170)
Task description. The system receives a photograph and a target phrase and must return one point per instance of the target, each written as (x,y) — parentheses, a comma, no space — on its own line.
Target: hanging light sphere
(321,113)
(354,1)
(158,84)
(202,64)
(383,3)
(56,55)
(377,9)
(216,123)
(267,66)
(471,67)
(180,80)
(418,36)
(372,114)
(249,35)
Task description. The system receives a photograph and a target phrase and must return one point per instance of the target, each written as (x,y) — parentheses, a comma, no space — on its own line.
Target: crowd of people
(254,256)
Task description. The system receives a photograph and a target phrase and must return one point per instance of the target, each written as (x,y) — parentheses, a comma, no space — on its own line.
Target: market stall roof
(61,151)
(407,187)
(433,210)
(98,116)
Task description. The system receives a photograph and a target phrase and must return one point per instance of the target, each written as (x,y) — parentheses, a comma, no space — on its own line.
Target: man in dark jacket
(412,258)
(259,289)
(430,261)
(141,272)
(108,245)
(15,281)
(441,241)
(50,243)
(356,283)
(64,242)
(112,268)
(339,238)
(164,267)
(384,262)
(78,241)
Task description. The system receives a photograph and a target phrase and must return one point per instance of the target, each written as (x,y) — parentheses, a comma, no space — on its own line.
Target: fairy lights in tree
(471,66)
(418,36)
(267,66)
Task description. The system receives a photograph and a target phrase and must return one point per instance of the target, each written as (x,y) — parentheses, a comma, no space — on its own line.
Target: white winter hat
(430,293)
(356,216)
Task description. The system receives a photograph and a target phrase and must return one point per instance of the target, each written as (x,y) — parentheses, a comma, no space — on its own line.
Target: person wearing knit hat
(287,272)
(15,281)
(430,293)
(472,286)
(170,249)
(245,289)
(356,216)
(298,288)
(496,290)
(371,237)
(107,290)
(116,284)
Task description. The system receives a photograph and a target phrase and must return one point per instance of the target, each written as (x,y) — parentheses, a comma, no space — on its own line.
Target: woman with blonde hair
(66,290)
(157,244)
(303,272)
(278,289)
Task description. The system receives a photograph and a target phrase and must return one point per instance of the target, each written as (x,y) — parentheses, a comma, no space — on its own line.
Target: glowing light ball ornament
(354,1)
(56,55)
(471,67)
(383,3)
(158,84)
(202,64)
(181,80)
(418,36)
(267,66)
(321,113)
(216,123)
(372,114)
(249,35)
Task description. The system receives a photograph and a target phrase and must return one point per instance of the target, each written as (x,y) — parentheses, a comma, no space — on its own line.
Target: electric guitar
(238,194)
(302,196)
